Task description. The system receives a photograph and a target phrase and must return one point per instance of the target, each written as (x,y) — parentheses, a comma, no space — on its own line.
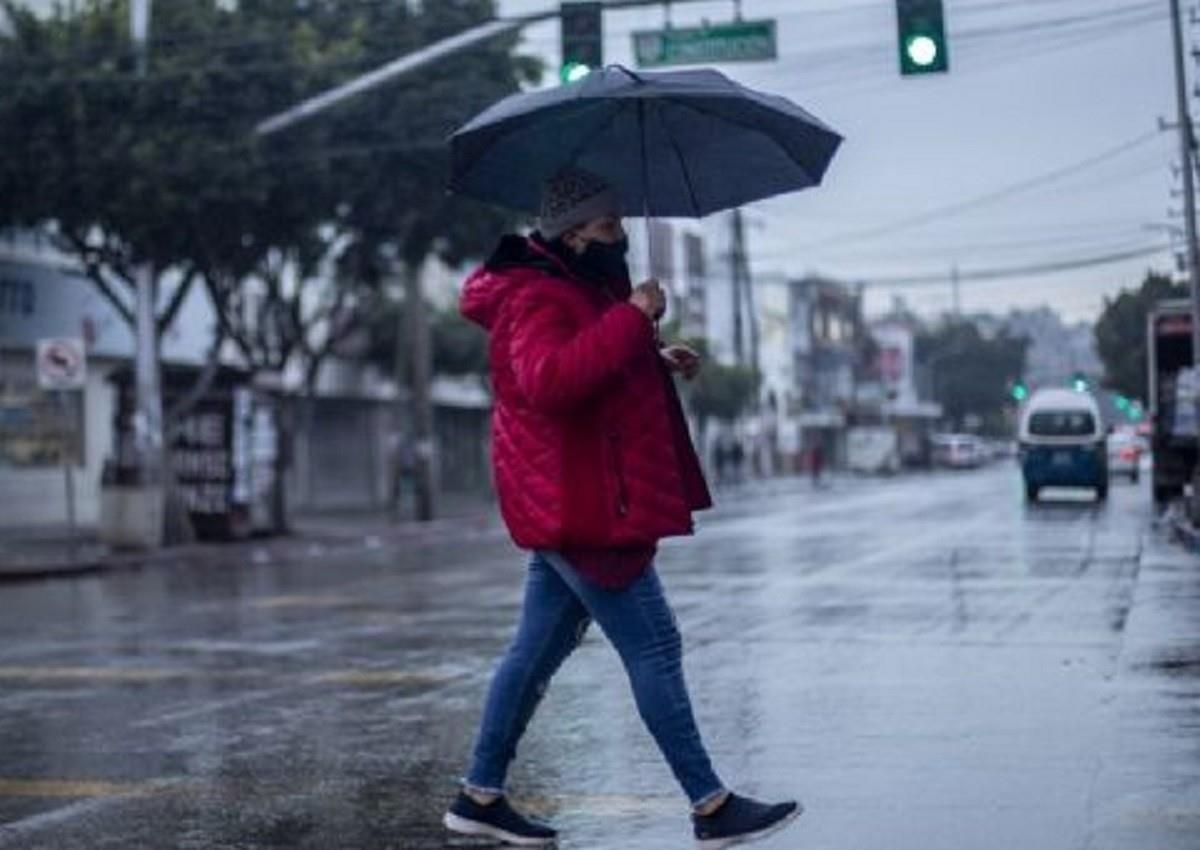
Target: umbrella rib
(601,126)
(687,174)
(753,129)
(514,124)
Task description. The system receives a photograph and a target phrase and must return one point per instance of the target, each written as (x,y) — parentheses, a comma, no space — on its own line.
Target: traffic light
(1019,391)
(582,39)
(1122,403)
(1079,382)
(921,27)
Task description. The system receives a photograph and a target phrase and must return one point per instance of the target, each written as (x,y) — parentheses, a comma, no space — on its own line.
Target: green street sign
(740,41)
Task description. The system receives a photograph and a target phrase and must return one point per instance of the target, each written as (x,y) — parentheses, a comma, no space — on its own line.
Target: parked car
(959,451)
(1124,454)
(1063,443)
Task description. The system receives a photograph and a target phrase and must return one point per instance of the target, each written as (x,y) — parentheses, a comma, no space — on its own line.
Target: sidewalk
(46,552)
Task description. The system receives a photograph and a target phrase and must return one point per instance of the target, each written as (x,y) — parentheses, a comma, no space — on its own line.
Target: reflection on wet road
(926,661)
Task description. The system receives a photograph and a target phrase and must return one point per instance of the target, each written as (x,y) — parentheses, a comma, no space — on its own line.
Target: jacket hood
(510,265)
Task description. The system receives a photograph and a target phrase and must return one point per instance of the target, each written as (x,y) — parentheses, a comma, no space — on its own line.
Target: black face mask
(605,261)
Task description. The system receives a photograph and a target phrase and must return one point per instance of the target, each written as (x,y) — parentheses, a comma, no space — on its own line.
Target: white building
(343,452)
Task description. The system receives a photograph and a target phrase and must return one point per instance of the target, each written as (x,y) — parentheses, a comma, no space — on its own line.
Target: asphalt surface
(925,661)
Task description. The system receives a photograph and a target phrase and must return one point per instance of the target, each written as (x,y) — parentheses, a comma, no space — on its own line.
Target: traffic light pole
(418,59)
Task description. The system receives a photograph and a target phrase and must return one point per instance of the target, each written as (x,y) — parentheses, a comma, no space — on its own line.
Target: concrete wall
(37,495)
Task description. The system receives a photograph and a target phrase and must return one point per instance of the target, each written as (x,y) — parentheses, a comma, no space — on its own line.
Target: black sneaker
(496,820)
(740,820)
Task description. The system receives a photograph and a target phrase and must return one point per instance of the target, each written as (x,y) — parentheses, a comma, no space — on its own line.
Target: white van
(1062,440)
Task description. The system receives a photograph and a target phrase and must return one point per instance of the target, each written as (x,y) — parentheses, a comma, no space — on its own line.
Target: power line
(989,197)
(1019,271)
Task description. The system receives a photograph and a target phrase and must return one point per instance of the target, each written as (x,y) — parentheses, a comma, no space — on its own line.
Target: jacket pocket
(618,472)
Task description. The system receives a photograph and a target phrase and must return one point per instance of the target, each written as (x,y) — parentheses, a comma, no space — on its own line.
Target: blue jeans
(559,605)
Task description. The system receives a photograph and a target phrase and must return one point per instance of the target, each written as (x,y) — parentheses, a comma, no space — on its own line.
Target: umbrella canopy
(676,143)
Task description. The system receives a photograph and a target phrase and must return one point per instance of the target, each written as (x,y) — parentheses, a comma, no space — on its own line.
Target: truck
(873,450)
(1171,384)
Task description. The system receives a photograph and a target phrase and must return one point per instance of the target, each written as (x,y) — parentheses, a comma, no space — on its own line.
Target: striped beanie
(573,197)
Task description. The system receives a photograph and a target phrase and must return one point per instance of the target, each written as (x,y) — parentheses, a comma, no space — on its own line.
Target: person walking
(593,467)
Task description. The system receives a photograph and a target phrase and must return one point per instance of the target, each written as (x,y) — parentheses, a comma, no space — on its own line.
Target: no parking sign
(61,364)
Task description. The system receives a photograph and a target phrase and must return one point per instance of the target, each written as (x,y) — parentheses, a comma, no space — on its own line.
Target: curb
(1185,533)
(296,545)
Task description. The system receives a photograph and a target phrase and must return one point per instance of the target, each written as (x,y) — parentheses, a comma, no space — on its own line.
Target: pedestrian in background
(594,465)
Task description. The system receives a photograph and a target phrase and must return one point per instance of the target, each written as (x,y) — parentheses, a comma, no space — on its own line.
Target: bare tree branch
(176,303)
(212,365)
(222,297)
(92,264)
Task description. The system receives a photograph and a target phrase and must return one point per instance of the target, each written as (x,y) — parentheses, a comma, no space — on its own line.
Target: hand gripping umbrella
(677,143)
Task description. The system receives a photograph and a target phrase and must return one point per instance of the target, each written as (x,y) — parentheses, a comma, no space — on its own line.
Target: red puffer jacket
(590,447)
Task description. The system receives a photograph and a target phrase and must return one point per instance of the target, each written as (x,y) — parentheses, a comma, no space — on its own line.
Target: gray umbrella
(679,143)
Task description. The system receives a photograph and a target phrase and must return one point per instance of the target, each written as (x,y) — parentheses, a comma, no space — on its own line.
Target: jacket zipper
(618,472)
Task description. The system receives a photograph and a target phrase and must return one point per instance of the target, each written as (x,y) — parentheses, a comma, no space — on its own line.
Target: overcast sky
(1035,87)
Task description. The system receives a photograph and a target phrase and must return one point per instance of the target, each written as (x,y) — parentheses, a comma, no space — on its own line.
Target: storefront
(41,297)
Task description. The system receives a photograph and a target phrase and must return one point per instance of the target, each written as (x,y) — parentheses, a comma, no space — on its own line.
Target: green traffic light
(1121,402)
(921,37)
(1020,392)
(573,72)
(922,50)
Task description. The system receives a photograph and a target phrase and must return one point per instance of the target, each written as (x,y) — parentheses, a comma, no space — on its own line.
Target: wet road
(926,662)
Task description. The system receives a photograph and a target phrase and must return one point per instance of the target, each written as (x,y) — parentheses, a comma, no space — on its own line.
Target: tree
(1121,333)
(718,392)
(408,216)
(163,170)
(971,372)
(459,347)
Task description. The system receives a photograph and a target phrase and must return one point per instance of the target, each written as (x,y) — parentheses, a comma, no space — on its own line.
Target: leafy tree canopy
(971,373)
(1121,333)
(164,168)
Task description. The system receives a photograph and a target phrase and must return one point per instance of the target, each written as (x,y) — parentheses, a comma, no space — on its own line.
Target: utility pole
(955,295)
(744,319)
(1187,155)
(148,425)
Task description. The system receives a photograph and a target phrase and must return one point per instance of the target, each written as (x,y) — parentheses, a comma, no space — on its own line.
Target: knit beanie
(573,197)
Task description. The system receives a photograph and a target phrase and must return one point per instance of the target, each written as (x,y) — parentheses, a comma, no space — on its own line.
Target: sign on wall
(61,364)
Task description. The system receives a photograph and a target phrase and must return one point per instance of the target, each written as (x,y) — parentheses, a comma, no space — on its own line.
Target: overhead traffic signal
(1019,391)
(921,28)
(582,39)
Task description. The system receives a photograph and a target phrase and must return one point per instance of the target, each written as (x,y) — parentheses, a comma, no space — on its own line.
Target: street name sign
(61,364)
(740,41)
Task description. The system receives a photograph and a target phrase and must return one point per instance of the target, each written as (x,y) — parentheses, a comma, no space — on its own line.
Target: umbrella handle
(650,264)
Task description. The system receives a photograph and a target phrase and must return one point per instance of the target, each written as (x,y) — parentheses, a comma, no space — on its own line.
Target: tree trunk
(420,363)
(285,430)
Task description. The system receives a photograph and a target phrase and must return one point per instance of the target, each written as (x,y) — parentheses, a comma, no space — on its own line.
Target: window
(37,428)
(1062,423)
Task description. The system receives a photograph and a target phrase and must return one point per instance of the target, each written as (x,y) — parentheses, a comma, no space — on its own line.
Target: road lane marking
(378,677)
(302,601)
(361,677)
(91,674)
(598,805)
(71,788)
(16,833)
